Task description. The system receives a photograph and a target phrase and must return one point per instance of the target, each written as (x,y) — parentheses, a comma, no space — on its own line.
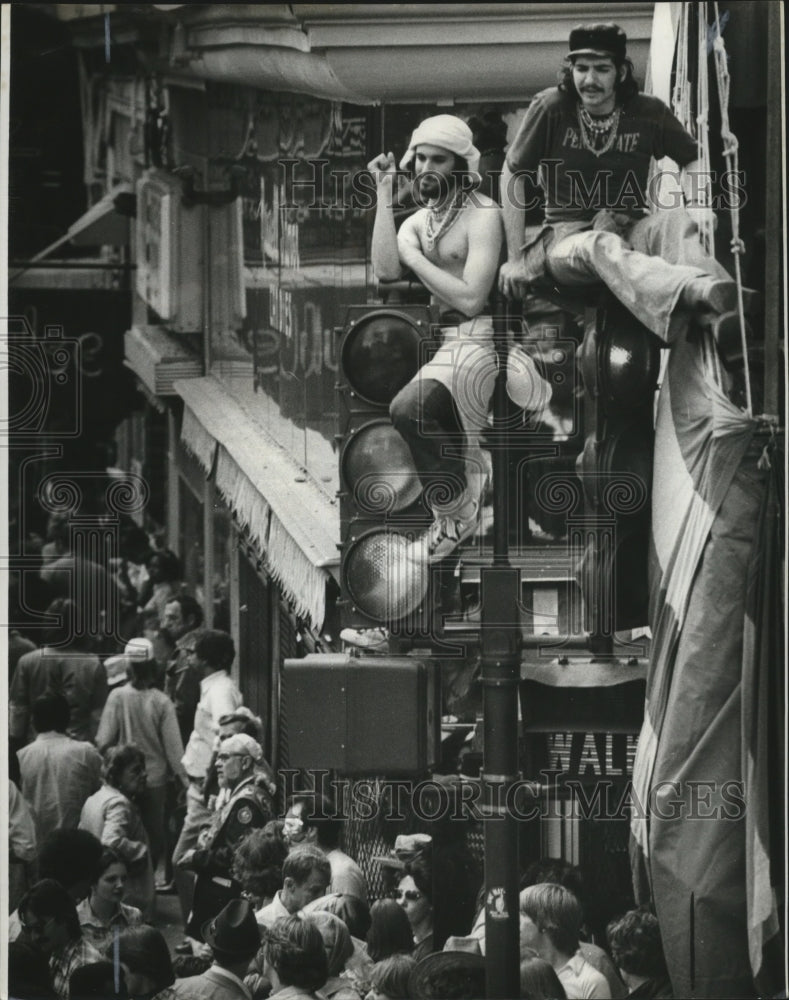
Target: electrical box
(362,715)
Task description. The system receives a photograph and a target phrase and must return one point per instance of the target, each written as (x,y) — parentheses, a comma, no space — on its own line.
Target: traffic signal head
(381,509)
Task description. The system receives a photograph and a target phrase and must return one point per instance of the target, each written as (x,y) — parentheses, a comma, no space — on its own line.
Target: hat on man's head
(117,668)
(598,40)
(243,744)
(448,132)
(406,848)
(234,931)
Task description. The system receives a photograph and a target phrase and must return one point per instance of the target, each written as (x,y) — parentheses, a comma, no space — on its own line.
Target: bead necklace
(594,130)
(440,220)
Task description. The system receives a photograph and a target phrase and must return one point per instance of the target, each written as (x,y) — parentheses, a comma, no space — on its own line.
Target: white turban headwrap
(448,132)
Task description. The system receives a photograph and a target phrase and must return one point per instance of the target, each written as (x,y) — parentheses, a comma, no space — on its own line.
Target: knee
(404,409)
(601,240)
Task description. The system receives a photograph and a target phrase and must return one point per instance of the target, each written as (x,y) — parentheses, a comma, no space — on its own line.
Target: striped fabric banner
(688,826)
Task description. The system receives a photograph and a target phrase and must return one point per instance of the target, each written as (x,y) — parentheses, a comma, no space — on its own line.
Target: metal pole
(500,675)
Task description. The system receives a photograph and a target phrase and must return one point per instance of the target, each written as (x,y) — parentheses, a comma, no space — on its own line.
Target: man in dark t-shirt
(588,144)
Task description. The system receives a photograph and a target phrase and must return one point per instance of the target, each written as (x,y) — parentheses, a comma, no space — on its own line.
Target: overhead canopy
(104,224)
(374,53)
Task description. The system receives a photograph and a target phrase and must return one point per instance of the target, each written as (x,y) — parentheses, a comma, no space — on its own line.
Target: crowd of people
(138,771)
(143,773)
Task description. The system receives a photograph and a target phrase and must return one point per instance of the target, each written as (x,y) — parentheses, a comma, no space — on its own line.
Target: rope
(730,154)
(706,230)
(690,105)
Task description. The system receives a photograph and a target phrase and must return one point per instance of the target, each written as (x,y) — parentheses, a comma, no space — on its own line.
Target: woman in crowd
(389,980)
(390,931)
(257,866)
(296,962)
(145,959)
(338,947)
(50,923)
(414,893)
(355,914)
(138,713)
(539,980)
(111,814)
(104,910)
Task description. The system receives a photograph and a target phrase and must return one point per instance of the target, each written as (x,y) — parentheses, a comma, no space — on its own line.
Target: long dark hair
(624,90)
(390,931)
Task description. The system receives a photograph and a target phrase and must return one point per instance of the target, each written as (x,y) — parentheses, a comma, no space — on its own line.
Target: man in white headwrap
(452,245)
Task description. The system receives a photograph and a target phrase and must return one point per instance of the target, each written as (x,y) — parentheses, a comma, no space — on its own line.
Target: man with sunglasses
(312,819)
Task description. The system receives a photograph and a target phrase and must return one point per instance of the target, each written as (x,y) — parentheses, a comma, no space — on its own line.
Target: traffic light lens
(378,468)
(382,578)
(380,355)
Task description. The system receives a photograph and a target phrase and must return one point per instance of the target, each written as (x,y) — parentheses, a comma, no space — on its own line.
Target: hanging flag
(689,821)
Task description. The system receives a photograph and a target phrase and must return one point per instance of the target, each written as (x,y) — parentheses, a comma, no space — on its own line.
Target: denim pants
(646,268)
(443,410)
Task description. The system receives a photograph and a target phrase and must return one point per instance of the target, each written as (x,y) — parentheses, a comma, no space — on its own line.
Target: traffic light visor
(380,354)
(383,578)
(378,469)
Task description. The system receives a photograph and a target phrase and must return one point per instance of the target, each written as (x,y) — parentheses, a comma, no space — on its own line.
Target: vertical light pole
(500,642)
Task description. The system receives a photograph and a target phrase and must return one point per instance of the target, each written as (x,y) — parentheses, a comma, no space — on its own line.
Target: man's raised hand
(383,168)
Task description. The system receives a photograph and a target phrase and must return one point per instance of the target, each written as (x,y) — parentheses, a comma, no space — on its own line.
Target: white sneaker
(444,535)
(366,638)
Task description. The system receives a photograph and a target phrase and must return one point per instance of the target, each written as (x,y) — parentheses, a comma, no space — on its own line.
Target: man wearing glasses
(210,655)
(249,807)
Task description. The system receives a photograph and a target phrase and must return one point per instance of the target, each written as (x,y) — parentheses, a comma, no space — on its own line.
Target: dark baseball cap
(598,39)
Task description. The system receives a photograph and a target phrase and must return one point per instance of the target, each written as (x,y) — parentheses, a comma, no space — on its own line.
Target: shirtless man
(452,245)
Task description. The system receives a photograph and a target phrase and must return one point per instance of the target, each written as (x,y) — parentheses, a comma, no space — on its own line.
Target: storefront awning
(293,523)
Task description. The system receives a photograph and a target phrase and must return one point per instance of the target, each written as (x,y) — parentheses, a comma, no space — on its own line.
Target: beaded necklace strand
(595,130)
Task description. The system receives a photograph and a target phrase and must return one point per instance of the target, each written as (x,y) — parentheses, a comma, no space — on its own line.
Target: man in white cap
(588,143)
(138,713)
(452,245)
(249,807)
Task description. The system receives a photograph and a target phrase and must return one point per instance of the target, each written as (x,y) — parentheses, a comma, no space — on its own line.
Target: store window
(191,507)
(222,554)
(305,256)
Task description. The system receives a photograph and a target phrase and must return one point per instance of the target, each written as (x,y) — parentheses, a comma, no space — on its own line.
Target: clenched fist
(383,168)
